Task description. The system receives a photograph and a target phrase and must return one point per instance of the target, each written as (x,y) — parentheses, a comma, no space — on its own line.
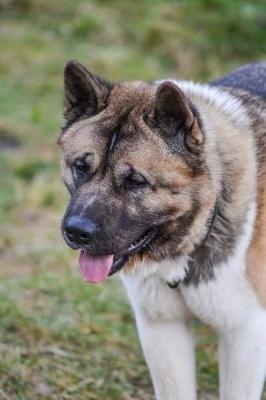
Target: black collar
(210,223)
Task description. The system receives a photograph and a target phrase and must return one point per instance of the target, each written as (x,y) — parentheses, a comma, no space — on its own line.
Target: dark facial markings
(110,149)
(112,143)
(133,180)
(83,168)
(140,165)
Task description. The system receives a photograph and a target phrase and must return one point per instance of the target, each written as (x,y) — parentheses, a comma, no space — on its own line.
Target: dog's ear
(171,113)
(85,93)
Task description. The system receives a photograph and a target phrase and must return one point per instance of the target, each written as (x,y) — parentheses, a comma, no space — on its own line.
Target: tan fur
(256,269)
(148,154)
(239,151)
(256,257)
(174,187)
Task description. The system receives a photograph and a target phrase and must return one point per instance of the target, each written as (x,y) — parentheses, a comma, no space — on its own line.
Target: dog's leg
(242,356)
(163,324)
(169,351)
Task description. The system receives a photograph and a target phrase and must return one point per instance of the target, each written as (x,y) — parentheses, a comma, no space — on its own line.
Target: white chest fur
(227,300)
(150,294)
(221,302)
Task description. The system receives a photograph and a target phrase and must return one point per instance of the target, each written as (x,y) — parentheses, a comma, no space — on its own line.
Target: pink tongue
(95,269)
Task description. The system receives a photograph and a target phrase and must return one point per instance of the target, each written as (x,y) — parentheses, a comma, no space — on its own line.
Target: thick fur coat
(167,183)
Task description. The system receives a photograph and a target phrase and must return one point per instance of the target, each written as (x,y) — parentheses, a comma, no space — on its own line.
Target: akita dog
(168,186)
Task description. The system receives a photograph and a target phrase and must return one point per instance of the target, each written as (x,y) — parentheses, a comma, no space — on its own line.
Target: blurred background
(60,338)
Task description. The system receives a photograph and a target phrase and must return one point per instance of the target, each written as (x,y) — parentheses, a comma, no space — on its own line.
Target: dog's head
(134,162)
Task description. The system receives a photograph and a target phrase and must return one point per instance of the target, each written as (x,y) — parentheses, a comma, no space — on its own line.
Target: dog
(167,184)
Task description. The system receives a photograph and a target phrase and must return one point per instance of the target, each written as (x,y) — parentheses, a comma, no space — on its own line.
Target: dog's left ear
(172,112)
(85,93)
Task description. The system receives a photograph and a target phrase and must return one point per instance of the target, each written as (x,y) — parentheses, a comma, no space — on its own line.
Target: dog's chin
(138,246)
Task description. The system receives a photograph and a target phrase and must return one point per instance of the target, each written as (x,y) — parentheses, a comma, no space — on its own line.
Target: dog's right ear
(85,93)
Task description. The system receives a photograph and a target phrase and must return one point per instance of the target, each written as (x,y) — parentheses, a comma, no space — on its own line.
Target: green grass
(60,338)
(69,338)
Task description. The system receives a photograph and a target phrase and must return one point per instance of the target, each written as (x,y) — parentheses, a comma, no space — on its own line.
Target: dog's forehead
(131,141)
(80,138)
(127,96)
(122,117)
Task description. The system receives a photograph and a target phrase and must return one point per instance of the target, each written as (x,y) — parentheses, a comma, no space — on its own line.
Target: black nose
(79,230)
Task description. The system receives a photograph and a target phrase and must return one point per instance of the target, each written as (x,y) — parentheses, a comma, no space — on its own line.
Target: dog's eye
(80,169)
(135,180)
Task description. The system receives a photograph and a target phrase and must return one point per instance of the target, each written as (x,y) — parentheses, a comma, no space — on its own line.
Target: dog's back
(251,78)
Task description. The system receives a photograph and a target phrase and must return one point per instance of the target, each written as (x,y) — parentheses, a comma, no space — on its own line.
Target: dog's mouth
(96,269)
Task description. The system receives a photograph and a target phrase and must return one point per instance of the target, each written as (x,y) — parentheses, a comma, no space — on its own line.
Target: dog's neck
(224,224)
(210,226)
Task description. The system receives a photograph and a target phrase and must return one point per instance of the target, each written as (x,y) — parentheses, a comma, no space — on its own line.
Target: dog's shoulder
(228,300)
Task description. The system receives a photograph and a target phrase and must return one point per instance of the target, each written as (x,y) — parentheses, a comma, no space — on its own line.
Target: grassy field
(60,338)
